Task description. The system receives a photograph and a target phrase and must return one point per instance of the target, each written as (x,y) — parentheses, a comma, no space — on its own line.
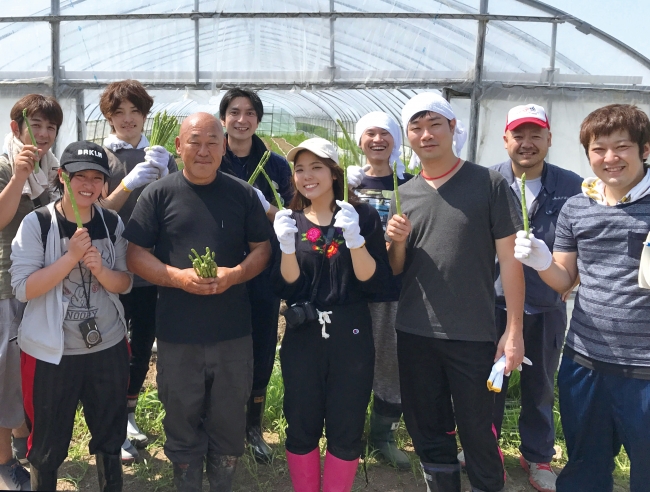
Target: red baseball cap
(527,113)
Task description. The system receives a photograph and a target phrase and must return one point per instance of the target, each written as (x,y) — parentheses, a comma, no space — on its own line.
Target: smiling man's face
(241,119)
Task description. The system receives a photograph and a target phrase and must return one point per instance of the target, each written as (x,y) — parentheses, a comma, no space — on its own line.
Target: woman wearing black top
(334,255)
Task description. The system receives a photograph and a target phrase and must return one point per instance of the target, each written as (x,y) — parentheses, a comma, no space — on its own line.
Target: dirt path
(283,144)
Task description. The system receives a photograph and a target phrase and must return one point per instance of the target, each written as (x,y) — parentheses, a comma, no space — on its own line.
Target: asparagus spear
(260,166)
(278,200)
(398,205)
(31,135)
(357,160)
(77,217)
(524,208)
(204,266)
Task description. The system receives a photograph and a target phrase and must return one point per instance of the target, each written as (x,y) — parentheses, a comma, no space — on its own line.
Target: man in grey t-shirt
(457,216)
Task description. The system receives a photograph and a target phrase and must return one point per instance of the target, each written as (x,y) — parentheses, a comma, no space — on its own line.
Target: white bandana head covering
(434,102)
(113,143)
(379,119)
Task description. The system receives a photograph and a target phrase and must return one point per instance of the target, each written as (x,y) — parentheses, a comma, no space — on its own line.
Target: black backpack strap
(45,221)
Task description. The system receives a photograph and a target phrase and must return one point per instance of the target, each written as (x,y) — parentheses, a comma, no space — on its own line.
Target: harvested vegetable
(163,128)
(77,217)
(398,205)
(355,154)
(278,200)
(260,166)
(31,135)
(524,208)
(204,266)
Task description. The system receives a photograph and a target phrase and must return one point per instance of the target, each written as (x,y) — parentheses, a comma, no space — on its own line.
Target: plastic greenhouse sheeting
(315,61)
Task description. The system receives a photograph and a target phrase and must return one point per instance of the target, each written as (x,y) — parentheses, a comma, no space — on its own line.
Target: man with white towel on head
(456,217)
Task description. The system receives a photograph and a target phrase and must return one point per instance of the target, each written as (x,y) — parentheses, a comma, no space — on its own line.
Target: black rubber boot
(254,413)
(382,438)
(221,470)
(441,477)
(188,477)
(41,479)
(109,472)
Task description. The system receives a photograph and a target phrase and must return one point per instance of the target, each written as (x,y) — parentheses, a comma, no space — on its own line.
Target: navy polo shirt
(558,185)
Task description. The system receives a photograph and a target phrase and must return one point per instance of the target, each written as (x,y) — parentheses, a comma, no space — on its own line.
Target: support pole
(55,58)
(196,43)
(475,105)
(551,69)
(81,116)
(332,66)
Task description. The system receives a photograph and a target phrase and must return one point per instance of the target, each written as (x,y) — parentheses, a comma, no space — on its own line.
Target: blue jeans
(600,412)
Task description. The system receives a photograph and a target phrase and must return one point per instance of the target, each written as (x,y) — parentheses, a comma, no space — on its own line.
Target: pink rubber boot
(305,471)
(338,475)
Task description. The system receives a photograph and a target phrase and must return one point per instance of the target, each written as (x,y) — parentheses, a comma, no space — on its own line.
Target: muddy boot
(221,470)
(42,479)
(188,477)
(109,472)
(441,477)
(382,438)
(254,413)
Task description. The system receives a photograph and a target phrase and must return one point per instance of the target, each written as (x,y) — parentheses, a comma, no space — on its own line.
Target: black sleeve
(257,224)
(143,226)
(504,218)
(373,232)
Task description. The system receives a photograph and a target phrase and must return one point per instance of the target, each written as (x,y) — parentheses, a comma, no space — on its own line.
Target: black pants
(328,381)
(432,372)
(265,307)
(204,389)
(52,392)
(543,338)
(140,313)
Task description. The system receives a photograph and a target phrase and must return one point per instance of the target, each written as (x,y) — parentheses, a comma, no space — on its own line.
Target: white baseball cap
(319,146)
(527,113)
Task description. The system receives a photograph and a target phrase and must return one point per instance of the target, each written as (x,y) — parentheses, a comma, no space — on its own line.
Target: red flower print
(315,248)
(332,249)
(313,234)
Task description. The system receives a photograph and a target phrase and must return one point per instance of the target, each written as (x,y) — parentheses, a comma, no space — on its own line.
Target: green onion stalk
(260,166)
(524,208)
(31,135)
(77,217)
(163,128)
(398,205)
(278,200)
(204,266)
(353,148)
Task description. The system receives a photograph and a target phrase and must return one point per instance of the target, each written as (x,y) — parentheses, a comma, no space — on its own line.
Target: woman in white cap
(333,258)
(380,139)
(457,216)
(73,333)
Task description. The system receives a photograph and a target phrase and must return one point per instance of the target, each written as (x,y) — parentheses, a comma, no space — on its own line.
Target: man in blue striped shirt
(604,378)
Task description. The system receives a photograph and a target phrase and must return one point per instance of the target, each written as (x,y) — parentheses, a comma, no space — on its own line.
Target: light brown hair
(124,90)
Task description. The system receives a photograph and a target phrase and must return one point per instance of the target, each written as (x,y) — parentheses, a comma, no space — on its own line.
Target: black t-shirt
(378,192)
(448,283)
(173,216)
(338,285)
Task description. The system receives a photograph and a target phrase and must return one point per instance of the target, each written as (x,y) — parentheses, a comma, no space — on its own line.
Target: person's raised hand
(24,162)
(285,229)
(142,174)
(79,244)
(398,228)
(348,219)
(532,252)
(355,176)
(159,157)
(265,203)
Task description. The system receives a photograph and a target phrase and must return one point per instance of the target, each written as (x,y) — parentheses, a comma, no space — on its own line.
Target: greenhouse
(218,323)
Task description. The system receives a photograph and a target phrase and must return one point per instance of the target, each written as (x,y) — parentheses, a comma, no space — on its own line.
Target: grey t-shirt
(102,308)
(448,282)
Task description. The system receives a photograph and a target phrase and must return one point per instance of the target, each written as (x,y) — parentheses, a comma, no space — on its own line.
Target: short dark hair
(47,106)
(422,114)
(124,90)
(239,92)
(300,202)
(616,117)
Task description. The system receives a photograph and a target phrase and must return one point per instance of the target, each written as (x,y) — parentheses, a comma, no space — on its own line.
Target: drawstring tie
(323,319)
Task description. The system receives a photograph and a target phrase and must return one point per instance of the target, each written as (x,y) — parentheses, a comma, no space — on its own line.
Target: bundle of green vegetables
(31,135)
(164,126)
(204,266)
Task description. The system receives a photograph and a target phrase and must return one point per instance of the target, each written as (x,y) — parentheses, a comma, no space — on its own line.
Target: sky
(620,18)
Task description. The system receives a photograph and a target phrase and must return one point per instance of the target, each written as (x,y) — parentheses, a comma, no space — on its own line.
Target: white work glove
(142,174)
(285,229)
(644,265)
(348,219)
(495,381)
(355,176)
(532,252)
(159,157)
(265,203)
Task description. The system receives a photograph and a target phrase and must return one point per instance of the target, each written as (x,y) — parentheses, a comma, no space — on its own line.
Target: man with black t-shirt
(457,216)
(203,325)
(241,111)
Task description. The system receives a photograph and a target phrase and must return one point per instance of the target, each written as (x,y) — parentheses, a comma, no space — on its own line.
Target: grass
(154,473)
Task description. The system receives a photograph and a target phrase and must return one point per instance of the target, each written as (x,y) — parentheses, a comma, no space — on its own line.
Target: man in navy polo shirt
(527,139)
